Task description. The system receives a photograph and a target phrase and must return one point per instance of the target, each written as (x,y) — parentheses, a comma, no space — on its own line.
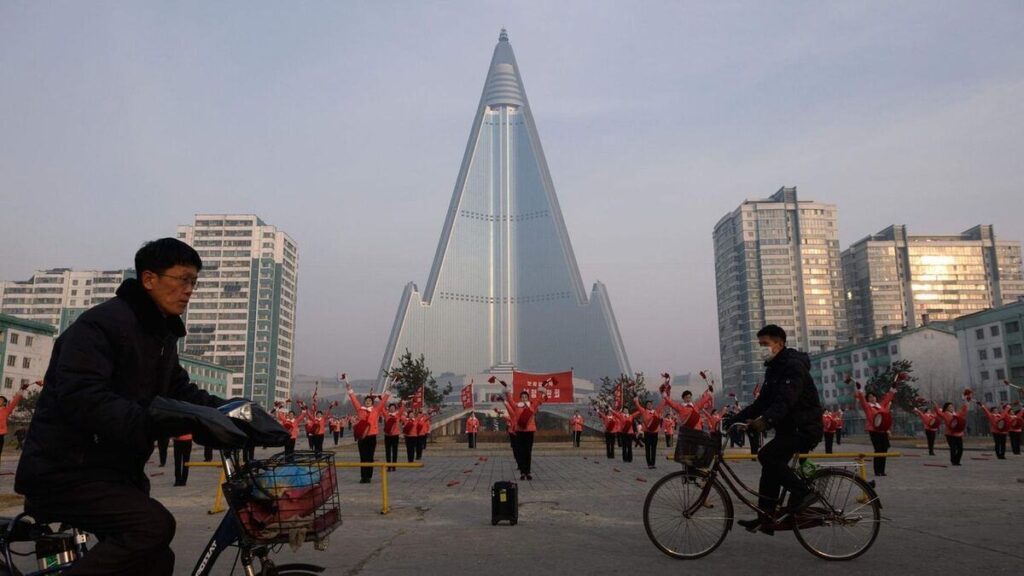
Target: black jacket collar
(132,292)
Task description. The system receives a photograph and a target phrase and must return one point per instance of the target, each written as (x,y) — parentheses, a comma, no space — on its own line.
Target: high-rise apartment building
(242,313)
(897,281)
(58,296)
(776,262)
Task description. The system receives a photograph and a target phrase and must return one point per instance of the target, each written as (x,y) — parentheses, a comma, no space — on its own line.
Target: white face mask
(767,354)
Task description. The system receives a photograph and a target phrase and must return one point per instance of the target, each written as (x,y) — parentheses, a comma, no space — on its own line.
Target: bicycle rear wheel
(678,524)
(845,522)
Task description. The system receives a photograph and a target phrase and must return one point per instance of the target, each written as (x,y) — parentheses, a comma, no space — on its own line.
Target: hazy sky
(344,124)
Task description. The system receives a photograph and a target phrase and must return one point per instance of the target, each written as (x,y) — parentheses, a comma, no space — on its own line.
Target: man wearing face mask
(788,402)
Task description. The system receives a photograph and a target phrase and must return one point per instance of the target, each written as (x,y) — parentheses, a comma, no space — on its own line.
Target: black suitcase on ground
(505,503)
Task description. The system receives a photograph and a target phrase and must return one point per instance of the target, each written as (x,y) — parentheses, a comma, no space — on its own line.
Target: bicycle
(687,514)
(282,499)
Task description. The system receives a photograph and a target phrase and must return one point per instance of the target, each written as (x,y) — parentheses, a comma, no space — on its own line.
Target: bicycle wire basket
(289,498)
(697,448)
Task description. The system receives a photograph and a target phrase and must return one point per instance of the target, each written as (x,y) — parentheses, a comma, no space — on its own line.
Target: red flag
(467,395)
(618,396)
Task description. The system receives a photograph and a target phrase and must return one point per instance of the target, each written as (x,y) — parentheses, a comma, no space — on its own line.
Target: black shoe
(364,480)
(759,524)
(529,476)
(522,476)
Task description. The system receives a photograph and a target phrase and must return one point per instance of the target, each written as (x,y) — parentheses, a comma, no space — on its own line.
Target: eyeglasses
(193,280)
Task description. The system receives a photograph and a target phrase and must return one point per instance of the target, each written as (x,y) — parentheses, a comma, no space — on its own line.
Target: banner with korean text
(560,393)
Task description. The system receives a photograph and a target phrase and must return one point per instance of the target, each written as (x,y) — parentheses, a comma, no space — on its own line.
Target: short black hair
(161,255)
(773,331)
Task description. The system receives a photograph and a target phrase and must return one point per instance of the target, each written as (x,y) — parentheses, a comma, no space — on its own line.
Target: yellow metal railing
(218,500)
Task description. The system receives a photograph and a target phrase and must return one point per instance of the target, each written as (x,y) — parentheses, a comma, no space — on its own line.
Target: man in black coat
(90,437)
(789,403)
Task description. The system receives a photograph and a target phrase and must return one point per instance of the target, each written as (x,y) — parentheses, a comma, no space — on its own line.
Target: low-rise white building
(932,349)
(25,348)
(992,350)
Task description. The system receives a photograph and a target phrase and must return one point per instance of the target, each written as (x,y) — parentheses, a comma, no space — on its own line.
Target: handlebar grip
(208,425)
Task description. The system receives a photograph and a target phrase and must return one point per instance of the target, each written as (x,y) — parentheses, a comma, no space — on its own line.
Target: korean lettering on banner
(560,393)
(467,396)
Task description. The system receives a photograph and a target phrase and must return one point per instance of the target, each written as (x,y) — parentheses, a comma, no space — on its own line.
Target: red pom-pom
(491,379)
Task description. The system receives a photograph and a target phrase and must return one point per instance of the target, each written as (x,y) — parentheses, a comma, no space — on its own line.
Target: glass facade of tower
(504,290)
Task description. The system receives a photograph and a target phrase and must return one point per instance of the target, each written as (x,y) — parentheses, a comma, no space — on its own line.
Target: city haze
(344,126)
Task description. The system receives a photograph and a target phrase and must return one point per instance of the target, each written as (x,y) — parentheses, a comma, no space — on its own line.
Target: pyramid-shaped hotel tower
(504,290)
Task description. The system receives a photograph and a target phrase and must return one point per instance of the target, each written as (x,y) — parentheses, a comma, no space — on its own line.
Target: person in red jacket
(955,423)
(828,424)
(472,429)
(526,425)
(998,426)
(878,418)
(627,433)
(393,431)
(688,411)
(411,430)
(651,417)
(576,422)
(838,416)
(1015,418)
(424,433)
(367,427)
(611,432)
(668,426)
(931,422)
(6,410)
(291,424)
(335,424)
(182,455)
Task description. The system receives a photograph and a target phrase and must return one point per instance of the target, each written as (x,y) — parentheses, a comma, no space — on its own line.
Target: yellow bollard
(862,471)
(218,501)
(384,490)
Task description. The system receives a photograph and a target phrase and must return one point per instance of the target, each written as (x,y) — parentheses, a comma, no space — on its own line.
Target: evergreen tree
(631,388)
(907,396)
(413,373)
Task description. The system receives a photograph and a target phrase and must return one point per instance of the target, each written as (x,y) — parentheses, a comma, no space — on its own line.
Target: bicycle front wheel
(679,523)
(844,523)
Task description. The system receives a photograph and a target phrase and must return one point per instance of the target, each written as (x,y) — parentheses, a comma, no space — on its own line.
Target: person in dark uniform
(161,449)
(788,402)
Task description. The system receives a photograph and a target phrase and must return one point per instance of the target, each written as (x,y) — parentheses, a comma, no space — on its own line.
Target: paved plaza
(582,514)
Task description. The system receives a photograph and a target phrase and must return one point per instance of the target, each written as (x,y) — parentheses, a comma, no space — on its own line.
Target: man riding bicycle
(91,435)
(788,403)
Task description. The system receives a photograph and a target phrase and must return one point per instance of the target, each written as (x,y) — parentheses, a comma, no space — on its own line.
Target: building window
(1002,396)
(1015,349)
(984,375)
(14,337)
(894,349)
(857,373)
(1000,374)
(12,360)
(979,334)
(982,354)
(8,382)
(997,352)
(29,340)
(1012,327)
(26,362)
(994,330)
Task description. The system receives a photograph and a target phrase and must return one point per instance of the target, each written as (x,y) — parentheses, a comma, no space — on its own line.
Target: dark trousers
(421,443)
(576,437)
(182,455)
(930,435)
(956,449)
(309,440)
(289,446)
(626,442)
(755,441)
(1015,442)
(161,448)
(609,444)
(411,442)
(2,438)
(471,438)
(776,472)
(318,443)
(651,448)
(134,530)
(337,436)
(367,446)
(668,440)
(525,441)
(514,441)
(1000,440)
(839,436)
(391,448)
(829,437)
(880,442)
(207,454)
